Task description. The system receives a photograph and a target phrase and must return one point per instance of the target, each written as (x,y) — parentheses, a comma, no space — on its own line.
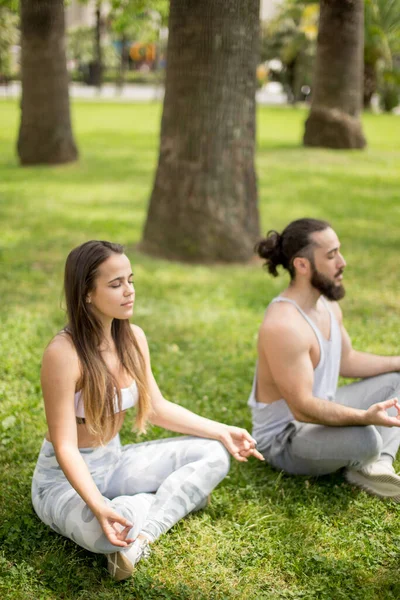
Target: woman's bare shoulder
(139,334)
(61,353)
(141,339)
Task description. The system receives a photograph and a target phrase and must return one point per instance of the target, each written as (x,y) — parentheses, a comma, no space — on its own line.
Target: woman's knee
(218,457)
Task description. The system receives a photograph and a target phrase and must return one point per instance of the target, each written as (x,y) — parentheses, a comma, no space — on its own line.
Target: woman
(108,498)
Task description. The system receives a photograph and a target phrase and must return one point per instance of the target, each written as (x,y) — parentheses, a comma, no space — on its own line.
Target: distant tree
(96,66)
(204,201)
(45,134)
(381,47)
(11,5)
(123,18)
(334,119)
(8,36)
(290,36)
(79,46)
(136,20)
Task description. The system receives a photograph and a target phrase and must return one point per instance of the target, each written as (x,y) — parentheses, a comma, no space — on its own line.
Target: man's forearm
(362,364)
(325,412)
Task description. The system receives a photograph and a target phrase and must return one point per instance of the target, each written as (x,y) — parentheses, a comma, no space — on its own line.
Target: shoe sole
(119,566)
(384,485)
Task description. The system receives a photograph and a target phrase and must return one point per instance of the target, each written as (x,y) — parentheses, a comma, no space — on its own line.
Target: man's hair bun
(295,240)
(270,248)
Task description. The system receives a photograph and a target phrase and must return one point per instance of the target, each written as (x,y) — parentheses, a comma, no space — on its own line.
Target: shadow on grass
(329,494)
(98,160)
(37,559)
(266,146)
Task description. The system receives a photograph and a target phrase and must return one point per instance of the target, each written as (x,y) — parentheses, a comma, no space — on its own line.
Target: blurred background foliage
(289,47)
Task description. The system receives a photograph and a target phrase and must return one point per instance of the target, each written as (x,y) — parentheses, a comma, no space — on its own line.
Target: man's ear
(302,265)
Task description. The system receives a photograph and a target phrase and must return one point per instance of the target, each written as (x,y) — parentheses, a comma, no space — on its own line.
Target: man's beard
(326,286)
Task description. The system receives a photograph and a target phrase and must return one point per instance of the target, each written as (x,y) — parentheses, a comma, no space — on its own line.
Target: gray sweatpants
(153,485)
(308,449)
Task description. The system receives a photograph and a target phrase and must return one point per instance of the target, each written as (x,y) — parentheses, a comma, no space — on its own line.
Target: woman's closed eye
(117,285)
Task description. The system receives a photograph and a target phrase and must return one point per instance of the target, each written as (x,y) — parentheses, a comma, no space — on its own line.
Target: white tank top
(270,419)
(129,397)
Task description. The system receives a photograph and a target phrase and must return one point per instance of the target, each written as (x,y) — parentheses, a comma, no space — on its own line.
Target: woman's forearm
(177,418)
(77,473)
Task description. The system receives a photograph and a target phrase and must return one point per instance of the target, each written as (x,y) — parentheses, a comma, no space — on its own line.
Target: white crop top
(129,398)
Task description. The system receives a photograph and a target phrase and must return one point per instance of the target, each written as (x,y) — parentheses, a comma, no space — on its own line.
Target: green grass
(265,535)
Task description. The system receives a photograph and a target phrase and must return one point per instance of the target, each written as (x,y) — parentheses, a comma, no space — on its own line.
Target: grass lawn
(265,535)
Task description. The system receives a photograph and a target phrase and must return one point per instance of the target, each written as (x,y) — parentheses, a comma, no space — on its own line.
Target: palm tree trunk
(204,201)
(45,134)
(334,120)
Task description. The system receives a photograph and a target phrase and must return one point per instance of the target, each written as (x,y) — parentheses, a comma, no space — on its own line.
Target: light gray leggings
(153,485)
(307,449)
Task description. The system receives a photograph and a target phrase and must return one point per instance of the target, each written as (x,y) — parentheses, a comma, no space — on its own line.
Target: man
(302,423)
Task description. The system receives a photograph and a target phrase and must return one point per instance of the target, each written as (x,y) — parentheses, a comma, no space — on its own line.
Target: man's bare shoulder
(283,322)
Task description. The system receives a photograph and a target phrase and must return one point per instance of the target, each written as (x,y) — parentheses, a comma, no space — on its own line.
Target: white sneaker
(120,565)
(378,478)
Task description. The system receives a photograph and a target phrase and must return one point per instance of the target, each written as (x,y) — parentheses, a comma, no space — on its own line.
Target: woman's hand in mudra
(115,527)
(239,443)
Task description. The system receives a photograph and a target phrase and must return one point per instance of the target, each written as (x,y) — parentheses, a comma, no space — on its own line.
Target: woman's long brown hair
(98,386)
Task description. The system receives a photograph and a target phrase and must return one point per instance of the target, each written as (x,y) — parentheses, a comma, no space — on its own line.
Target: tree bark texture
(203,206)
(45,134)
(337,97)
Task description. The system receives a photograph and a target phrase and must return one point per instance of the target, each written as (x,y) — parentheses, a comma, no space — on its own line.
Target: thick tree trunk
(338,80)
(45,134)
(204,201)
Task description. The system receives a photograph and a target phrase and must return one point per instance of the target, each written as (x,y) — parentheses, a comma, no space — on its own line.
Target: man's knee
(369,446)
(395,382)
(390,389)
(391,381)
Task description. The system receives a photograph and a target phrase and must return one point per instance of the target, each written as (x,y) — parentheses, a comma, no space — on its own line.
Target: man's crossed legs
(367,452)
